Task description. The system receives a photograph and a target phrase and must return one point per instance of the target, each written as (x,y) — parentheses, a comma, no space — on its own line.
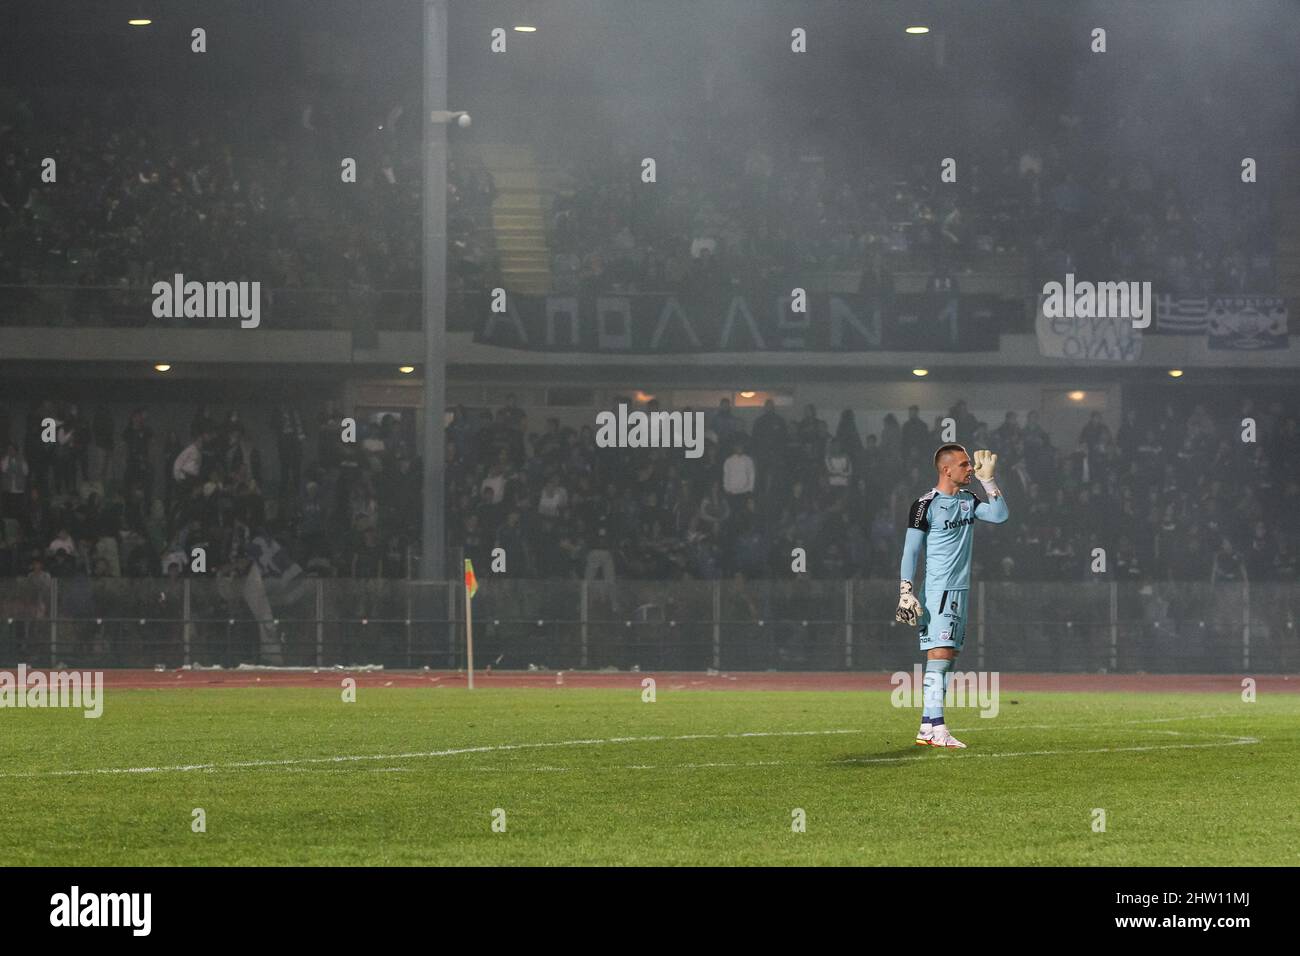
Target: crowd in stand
(743,204)
(257,195)
(249,194)
(134,503)
(1178,496)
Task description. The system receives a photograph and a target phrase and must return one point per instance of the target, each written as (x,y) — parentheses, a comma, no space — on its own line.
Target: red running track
(687,680)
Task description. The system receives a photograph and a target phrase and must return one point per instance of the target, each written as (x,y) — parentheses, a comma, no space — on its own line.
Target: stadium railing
(291,310)
(1106,627)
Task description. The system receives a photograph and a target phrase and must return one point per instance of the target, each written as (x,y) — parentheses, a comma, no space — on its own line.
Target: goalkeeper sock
(934,686)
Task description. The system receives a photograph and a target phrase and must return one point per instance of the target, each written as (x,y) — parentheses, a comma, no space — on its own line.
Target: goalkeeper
(943,519)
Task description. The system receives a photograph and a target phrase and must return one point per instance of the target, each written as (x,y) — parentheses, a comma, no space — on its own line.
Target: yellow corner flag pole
(471,587)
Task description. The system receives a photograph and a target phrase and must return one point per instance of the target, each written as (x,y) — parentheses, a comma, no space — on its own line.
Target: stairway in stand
(519,217)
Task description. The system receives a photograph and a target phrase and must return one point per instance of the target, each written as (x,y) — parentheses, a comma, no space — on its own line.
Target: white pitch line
(981,726)
(488,748)
(1236,741)
(494,748)
(1233,742)
(1056,753)
(1167,720)
(1230,742)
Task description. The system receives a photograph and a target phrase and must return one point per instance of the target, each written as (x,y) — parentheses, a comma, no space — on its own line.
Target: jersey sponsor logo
(951,524)
(917,519)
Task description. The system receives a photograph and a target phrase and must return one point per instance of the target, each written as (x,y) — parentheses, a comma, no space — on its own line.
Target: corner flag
(471,588)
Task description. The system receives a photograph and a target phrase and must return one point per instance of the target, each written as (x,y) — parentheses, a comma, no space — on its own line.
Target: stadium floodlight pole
(433,533)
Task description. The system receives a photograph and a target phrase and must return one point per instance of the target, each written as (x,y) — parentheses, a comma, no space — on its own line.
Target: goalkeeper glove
(985,462)
(909,608)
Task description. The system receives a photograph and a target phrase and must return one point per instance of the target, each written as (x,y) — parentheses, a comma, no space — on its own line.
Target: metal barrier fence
(1174,627)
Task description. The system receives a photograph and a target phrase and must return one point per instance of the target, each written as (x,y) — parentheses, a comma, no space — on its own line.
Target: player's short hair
(945,449)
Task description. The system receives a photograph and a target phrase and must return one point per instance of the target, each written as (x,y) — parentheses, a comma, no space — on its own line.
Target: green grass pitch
(696,777)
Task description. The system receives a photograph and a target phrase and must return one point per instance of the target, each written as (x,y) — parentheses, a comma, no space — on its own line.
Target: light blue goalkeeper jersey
(945,524)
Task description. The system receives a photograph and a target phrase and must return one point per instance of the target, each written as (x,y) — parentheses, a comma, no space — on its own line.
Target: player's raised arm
(995,509)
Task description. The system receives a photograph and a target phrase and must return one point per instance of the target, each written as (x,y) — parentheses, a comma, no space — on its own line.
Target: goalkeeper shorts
(943,619)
